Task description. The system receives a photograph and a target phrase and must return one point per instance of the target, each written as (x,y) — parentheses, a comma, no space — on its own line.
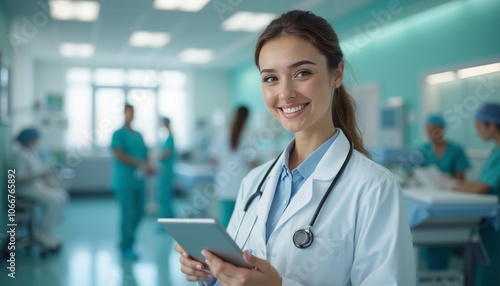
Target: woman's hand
(263,273)
(194,270)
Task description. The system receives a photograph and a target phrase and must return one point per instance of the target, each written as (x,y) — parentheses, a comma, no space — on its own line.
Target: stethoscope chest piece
(302,238)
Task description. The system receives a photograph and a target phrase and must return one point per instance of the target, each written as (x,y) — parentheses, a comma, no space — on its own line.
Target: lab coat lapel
(268,190)
(326,170)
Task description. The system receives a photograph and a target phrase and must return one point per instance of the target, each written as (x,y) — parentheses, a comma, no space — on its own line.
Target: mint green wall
(459,33)
(5,137)
(246,87)
(5,19)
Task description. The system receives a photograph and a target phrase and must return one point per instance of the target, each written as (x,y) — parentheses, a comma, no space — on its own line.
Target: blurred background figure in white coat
(35,184)
(231,161)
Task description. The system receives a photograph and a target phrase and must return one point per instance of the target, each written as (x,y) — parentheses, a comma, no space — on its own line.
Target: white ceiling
(118,19)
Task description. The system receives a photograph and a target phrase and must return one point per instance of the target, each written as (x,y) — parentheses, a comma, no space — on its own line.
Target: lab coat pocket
(322,263)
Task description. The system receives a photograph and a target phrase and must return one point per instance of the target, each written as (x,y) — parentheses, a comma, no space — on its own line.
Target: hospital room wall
(5,138)
(208,90)
(458,33)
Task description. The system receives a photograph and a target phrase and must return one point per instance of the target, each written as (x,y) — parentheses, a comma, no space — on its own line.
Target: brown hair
(318,32)
(238,124)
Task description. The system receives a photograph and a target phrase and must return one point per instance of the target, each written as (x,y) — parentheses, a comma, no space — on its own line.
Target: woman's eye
(269,79)
(303,73)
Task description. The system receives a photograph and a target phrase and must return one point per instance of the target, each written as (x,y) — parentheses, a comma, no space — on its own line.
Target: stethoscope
(302,238)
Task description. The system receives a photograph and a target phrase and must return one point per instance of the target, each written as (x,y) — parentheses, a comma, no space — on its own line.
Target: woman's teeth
(293,109)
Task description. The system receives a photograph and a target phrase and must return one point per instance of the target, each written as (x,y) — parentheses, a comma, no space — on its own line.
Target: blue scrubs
(166,180)
(452,161)
(127,184)
(487,275)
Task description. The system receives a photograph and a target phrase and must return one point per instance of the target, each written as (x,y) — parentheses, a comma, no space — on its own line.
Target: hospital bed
(195,184)
(445,217)
(190,176)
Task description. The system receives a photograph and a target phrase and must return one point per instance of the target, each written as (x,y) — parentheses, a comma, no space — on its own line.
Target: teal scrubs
(487,275)
(166,180)
(451,162)
(128,184)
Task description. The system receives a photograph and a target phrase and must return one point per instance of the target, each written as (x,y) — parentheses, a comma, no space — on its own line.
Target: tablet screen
(196,234)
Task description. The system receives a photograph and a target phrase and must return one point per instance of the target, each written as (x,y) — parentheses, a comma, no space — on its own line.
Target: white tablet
(196,234)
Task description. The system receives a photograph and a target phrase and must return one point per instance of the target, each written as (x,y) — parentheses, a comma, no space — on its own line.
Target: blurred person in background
(488,128)
(450,158)
(167,158)
(231,162)
(130,165)
(35,184)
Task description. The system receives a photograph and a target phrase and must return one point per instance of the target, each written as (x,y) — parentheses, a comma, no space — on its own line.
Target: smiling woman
(301,42)
(326,214)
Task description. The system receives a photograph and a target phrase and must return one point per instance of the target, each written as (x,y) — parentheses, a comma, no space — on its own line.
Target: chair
(25,216)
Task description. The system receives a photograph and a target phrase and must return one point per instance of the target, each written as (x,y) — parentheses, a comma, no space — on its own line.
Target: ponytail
(344,117)
(238,125)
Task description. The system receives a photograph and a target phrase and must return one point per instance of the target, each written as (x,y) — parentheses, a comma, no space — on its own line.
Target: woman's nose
(287,92)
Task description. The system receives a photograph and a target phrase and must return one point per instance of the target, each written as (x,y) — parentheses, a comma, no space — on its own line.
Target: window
(109,77)
(96,98)
(78,108)
(109,103)
(172,103)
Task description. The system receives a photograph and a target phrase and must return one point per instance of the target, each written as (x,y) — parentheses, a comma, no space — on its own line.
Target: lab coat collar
(332,161)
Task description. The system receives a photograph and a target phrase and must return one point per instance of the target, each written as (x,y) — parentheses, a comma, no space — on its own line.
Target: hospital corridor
(249,142)
(90,258)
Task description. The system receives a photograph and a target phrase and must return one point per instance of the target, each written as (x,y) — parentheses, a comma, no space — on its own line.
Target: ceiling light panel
(440,77)
(86,11)
(199,56)
(479,70)
(182,5)
(76,50)
(247,21)
(149,39)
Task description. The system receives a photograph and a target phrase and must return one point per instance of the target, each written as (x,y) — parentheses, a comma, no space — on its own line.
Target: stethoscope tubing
(308,230)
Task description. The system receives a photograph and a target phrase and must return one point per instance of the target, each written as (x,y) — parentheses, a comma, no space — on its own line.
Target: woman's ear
(338,75)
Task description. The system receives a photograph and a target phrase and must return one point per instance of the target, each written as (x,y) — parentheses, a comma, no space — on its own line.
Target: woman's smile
(293,110)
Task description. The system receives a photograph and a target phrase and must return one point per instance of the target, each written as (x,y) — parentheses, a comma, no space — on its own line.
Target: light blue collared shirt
(290,182)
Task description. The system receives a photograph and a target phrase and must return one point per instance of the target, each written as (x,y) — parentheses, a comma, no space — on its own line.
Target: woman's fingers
(194,270)
(179,249)
(218,267)
(194,274)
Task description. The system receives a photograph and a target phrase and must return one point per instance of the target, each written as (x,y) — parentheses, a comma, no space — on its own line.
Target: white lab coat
(53,199)
(232,165)
(361,236)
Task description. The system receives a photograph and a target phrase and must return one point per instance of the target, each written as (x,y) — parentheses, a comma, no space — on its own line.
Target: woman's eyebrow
(297,64)
(292,66)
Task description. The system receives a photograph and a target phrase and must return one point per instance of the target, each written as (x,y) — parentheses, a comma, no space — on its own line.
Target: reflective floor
(89,256)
